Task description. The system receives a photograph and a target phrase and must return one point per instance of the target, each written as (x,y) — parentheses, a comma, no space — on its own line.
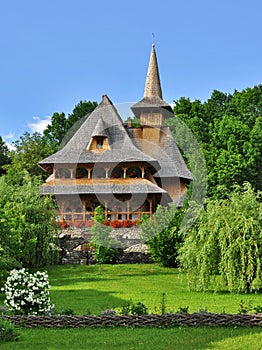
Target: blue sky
(55,53)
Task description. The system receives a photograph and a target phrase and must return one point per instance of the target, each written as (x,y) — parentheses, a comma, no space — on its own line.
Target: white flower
(27,293)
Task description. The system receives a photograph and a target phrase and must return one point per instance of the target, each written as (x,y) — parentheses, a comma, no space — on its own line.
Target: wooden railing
(110,215)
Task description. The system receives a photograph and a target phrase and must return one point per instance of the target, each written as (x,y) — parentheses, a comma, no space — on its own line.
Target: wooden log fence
(167,320)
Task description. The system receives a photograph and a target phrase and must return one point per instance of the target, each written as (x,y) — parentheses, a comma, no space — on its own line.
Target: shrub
(133,308)
(108,312)
(68,312)
(163,235)
(27,294)
(105,247)
(138,309)
(7,331)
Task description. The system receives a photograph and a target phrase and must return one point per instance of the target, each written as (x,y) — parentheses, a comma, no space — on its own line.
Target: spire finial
(153,39)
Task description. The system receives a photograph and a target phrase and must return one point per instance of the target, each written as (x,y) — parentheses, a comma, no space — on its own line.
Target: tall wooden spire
(153,86)
(152,110)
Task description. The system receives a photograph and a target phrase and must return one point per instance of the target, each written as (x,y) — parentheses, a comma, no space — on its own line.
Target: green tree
(29,150)
(56,130)
(228,129)
(4,158)
(82,109)
(225,243)
(61,128)
(27,224)
(254,154)
(162,234)
(105,247)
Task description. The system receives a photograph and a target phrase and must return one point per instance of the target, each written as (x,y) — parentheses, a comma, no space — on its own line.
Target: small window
(99,142)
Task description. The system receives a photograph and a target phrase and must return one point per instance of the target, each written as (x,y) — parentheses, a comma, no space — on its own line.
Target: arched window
(116,173)
(81,173)
(62,173)
(134,171)
(98,173)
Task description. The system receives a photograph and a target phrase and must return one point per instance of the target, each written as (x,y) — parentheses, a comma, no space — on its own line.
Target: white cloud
(39,125)
(10,146)
(9,136)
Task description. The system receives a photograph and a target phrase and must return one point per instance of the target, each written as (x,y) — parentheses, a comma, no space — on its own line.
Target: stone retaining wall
(71,242)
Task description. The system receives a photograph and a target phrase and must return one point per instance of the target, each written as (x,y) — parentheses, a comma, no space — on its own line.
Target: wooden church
(126,169)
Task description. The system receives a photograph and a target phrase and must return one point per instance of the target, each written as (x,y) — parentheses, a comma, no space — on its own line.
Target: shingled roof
(100,129)
(167,154)
(102,186)
(153,86)
(152,92)
(103,121)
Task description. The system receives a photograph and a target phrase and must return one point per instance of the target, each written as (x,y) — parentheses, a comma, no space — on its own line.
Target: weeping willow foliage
(226,243)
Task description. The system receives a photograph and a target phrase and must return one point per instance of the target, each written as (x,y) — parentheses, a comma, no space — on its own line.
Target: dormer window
(99,137)
(98,144)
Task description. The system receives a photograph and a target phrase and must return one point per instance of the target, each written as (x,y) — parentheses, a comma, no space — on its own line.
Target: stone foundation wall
(71,242)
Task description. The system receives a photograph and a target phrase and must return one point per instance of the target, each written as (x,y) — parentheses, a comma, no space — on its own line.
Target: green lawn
(85,289)
(134,339)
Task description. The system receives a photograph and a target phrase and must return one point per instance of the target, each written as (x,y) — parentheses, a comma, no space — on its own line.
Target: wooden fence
(167,320)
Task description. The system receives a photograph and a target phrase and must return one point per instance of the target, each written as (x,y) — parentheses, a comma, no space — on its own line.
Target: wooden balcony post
(128,210)
(106,209)
(151,207)
(107,171)
(143,171)
(84,210)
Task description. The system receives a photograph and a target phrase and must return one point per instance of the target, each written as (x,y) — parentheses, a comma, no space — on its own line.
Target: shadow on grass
(145,274)
(85,301)
(65,275)
(68,281)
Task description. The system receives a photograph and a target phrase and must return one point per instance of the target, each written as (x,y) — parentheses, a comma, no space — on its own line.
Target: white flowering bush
(27,294)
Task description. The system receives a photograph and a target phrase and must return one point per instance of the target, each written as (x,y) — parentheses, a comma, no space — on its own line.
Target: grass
(89,289)
(85,289)
(137,338)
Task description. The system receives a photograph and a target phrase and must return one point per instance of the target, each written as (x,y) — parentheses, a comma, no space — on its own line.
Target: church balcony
(80,219)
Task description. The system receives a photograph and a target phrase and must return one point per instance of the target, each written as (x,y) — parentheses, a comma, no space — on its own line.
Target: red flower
(116,224)
(89,223)
(127,223)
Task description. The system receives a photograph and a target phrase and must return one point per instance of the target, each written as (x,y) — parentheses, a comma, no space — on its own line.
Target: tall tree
(29,150)
(4,158)
(61,128)
(225,243)
(228,129)
(82,109)
(55,131)
(28,227)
